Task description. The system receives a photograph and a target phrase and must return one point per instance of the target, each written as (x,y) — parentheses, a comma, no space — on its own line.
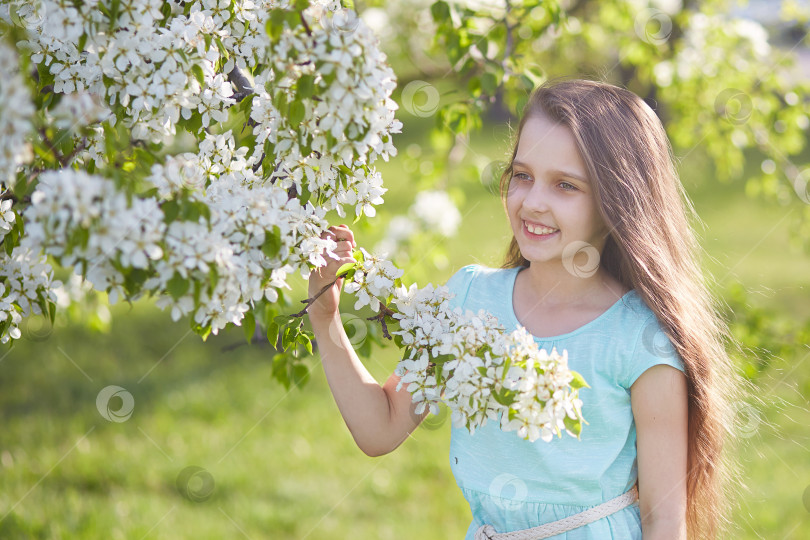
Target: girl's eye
(571,187)
(521,176)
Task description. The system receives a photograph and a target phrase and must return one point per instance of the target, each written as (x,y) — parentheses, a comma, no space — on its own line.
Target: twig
(306,26)
(310,301)
(380,317)
(76,150)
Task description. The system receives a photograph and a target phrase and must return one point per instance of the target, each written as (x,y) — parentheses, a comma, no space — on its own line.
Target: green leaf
(275,23)
(213,277)
(272,334)
(272,243)
(288,338)
(489,83)
(134,280)
(297,112)
(197,70)
(527,82)
(171,209)
(442,358)
(578,381)
(574,426)
(504,397)
(344,270)
(193,125)
(177,286)
(305,86)
(300,374)
(64,140)
(249,326)
(305,340)
(114,9)
(280,100)
(280,371)
(222,50)
(9,242)
(440,12)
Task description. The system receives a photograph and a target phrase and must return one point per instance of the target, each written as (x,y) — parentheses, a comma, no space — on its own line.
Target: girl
(602,263)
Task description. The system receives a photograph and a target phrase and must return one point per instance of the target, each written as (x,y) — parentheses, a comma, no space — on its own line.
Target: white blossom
(16,110)
(469,362)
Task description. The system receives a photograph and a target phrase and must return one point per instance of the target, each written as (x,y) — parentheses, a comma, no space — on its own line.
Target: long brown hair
(651,248)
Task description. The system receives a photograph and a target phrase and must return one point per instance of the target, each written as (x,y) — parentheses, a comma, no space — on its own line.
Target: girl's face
(550,201)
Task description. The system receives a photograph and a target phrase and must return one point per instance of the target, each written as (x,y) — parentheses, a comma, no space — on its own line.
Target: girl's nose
(537,199)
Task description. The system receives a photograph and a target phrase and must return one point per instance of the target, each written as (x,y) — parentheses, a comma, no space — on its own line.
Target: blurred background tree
(735,104)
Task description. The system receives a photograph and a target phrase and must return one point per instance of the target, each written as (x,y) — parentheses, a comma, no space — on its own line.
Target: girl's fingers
(342,233)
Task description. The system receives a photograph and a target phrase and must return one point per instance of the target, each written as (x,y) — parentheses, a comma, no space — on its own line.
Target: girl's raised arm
(379,418)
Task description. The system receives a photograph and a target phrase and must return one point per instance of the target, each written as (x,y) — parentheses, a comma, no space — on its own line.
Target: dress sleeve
(653,347)
(459,285)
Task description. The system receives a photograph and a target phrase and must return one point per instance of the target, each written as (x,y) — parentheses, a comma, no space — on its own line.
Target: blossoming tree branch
(286,106)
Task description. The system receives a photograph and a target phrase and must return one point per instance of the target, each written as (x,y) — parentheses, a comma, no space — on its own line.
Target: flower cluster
(156,66)
(26,288)
(210,246)
(16,110)
(159,66)
(469,361)
(481,371)
(7,218)
(83,219)
(372,278)
(338,112)
(227,221)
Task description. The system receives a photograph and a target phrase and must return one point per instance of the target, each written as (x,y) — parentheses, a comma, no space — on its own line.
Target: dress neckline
(567,334)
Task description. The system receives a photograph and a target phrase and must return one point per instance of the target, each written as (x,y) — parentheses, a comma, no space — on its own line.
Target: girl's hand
(326,305)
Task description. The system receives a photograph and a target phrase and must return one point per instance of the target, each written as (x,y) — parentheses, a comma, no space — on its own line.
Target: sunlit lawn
(282,464)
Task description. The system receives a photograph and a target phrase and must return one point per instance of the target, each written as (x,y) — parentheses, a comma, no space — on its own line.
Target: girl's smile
(537,231)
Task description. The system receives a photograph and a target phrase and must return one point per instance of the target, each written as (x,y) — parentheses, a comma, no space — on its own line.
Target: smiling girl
(604,264)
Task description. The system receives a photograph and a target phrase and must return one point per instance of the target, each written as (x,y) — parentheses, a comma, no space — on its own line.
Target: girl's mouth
(538,231)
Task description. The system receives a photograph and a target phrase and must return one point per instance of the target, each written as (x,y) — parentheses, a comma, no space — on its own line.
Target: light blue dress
(513,484)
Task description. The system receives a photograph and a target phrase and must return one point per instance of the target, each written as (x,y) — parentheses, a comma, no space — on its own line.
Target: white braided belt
(488,532)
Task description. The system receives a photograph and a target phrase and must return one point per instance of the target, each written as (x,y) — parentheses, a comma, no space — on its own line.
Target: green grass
(283,463)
